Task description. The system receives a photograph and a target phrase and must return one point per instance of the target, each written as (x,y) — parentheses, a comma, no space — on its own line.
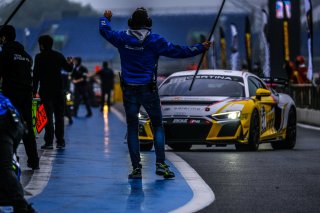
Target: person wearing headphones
(140,50)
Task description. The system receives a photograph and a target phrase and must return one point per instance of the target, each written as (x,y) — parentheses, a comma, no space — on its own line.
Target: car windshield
(204,85)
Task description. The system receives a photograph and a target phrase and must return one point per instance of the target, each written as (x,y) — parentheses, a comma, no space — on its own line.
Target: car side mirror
(262,93)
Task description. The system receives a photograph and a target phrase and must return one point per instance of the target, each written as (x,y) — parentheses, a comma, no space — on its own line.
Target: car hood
(182,106)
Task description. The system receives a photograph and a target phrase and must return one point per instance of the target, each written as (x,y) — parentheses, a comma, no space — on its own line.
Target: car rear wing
(277,83)
(275,80)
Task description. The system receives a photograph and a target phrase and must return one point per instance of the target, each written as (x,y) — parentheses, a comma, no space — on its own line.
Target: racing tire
(291,133)
(146,147)
(180,147)
(254,134)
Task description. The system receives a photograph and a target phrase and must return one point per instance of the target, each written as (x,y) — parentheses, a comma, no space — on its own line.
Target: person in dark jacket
(16,75)
(140,50)
(107,83)
(11,131)
(79,79)
(47,71)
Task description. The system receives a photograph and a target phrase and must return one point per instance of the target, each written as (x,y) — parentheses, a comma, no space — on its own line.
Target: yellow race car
(223,107)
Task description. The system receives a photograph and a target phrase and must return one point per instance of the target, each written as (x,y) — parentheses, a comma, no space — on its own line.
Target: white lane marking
(202,193)
(40,178)
(309,127)
(119,115)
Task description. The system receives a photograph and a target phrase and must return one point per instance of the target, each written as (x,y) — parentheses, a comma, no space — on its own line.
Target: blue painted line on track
(90,175)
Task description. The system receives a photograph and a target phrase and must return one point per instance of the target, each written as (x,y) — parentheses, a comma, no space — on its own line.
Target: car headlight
(68,96)
(227,115)
(143,116)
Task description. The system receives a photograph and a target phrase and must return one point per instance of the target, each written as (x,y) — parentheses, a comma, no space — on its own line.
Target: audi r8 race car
(223,107)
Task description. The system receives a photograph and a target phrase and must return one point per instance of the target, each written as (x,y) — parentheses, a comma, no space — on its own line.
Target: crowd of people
(48,76)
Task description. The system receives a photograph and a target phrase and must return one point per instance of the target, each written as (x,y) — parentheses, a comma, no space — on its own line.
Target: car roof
(214,72)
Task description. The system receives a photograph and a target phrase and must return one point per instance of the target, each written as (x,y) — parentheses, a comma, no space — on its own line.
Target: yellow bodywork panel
(148,130)
(267,112)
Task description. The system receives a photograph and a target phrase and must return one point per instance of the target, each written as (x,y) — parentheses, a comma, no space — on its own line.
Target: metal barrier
(305,95)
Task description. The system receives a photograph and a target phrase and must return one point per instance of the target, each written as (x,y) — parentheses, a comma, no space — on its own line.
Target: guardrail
(305,95)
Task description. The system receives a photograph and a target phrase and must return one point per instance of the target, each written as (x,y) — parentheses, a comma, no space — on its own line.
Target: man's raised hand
(107,14)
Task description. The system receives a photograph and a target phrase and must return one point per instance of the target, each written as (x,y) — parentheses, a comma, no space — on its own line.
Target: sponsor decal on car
(190,121)
(211,77)
(180,121)
(219,77)
(194,121)
(181,108)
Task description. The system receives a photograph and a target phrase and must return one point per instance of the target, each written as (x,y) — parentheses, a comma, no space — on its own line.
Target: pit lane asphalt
(263,181)
(90,175)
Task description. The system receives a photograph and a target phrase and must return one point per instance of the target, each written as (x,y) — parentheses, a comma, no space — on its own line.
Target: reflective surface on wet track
(91,174)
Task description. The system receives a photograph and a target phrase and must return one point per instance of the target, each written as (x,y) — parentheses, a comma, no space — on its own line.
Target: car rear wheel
(254,135)
(146,146)
(180,147)
(291,134)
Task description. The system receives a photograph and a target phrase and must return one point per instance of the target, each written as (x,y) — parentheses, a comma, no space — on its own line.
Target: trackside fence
(305,95)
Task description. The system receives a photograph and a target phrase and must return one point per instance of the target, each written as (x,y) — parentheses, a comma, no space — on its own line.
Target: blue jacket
(5,104)
(140,51)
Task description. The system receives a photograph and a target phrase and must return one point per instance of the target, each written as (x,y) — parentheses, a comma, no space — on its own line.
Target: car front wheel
(254,134)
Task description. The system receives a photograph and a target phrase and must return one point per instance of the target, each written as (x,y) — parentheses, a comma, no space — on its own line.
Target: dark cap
(140,19)
(8,31)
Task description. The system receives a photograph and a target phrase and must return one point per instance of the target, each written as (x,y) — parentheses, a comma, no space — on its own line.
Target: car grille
(229,130)
(186,132)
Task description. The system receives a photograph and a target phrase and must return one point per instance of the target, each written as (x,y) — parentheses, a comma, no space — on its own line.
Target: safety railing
(305,95)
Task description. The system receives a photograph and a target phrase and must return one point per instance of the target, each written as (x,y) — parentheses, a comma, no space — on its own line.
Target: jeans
(134,97)
(11,191)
